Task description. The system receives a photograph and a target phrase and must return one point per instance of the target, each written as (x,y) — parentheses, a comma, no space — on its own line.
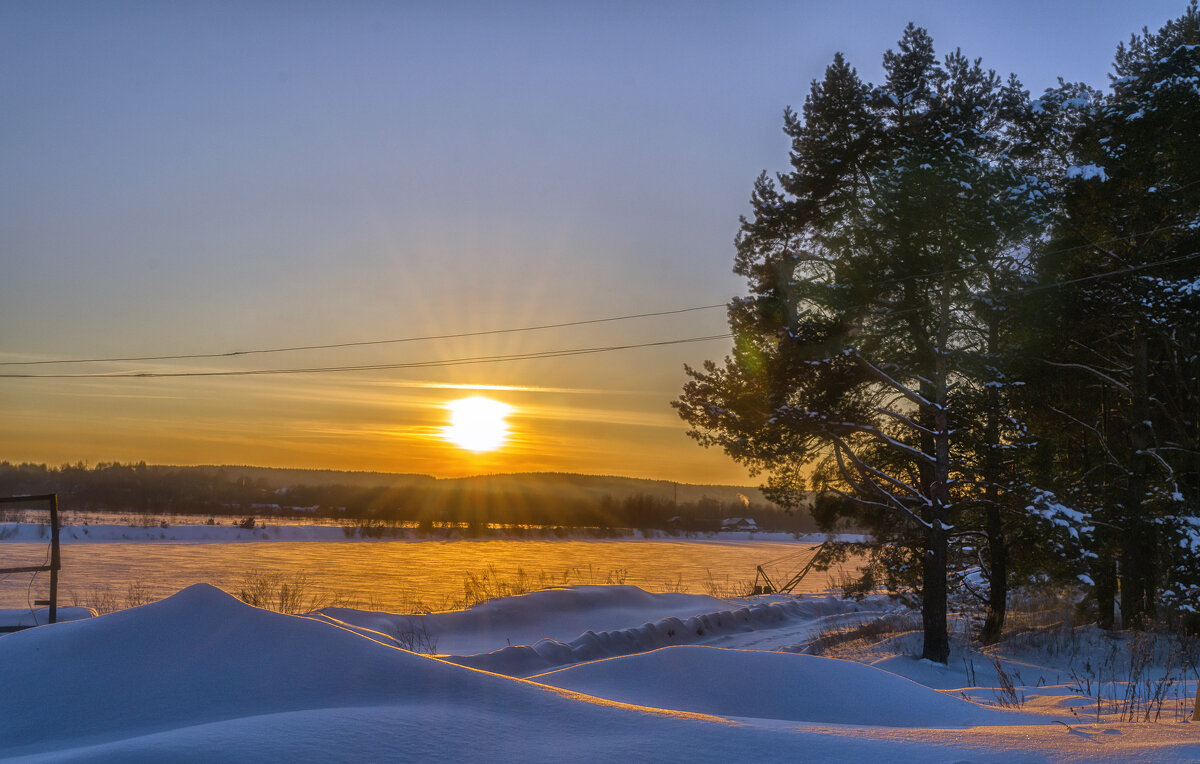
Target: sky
(204,178)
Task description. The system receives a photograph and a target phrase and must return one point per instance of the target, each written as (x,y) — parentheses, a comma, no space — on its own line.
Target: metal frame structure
(55,560)
(764,585)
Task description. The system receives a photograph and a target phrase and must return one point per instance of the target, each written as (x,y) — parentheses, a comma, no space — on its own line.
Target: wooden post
(1196,710)
(55,560)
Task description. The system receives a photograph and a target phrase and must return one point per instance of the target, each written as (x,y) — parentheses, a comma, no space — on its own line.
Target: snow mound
(555,614)
(203,656)
(24,617)
(201,676)
(786,686)
(526,659)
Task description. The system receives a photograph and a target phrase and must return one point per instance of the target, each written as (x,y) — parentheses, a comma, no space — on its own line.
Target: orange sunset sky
(205,178)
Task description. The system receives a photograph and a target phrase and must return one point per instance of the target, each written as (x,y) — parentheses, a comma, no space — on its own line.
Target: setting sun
(477,423)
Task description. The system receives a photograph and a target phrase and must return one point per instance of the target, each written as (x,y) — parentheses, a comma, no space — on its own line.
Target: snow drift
(801,688)
(203,677)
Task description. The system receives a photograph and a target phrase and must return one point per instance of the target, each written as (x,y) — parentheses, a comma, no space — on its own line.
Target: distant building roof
(730,523)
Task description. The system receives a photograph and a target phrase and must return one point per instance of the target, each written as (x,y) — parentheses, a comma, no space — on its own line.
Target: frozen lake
(402,575)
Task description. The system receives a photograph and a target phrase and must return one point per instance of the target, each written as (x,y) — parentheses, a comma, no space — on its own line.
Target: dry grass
(284,594)
(1137,676)
(492,584)
(1131,676)
(726,588)
(414,636)
(107,599)
(866,637)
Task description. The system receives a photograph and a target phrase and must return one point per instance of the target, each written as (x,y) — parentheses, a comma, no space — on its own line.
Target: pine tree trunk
(1104,579)
(1137,542)
(1104,566)
(997,605)
(933,597)
(935,564)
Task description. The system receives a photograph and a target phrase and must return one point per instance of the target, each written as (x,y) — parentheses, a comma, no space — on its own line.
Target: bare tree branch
(906,420)
(1096,431)
(1093,370)
(903,389)
(876,474)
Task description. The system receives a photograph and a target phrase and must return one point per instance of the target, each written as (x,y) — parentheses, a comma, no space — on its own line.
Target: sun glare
(477,423)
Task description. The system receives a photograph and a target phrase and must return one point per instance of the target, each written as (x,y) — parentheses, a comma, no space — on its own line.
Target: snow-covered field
(588,673)
(189,533)
(195,533)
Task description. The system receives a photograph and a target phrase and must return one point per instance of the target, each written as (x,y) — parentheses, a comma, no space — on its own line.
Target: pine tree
(857,361)
(1123,266)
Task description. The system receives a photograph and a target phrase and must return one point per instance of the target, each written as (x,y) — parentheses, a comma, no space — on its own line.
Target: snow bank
(524,659)
(24,617)
(203,677)
(533,633)
(267,530)
(194,658)
(81,534)
(801,688)
(554,614)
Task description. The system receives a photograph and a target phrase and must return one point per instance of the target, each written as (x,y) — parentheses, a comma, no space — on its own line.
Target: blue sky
(209,177)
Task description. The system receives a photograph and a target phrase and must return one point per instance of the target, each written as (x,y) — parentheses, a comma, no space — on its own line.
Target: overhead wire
(371,367)
(504,358)
(1094,276)
(361,343)
(1064,250)
(1069,282)
(470,360)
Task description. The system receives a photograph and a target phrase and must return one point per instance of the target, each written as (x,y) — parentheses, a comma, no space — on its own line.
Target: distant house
(688,524)
(738,524)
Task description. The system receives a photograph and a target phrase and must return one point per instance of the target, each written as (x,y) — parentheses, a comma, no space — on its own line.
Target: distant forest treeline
(545,499)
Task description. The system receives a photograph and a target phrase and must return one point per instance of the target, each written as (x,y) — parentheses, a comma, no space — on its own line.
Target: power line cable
(364,343)
(373,367)
(974,266)
(565,324)
(1094,276)
(520,356)
(1067,282)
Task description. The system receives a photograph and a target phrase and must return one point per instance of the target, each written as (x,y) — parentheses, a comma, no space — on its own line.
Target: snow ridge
(527,660)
